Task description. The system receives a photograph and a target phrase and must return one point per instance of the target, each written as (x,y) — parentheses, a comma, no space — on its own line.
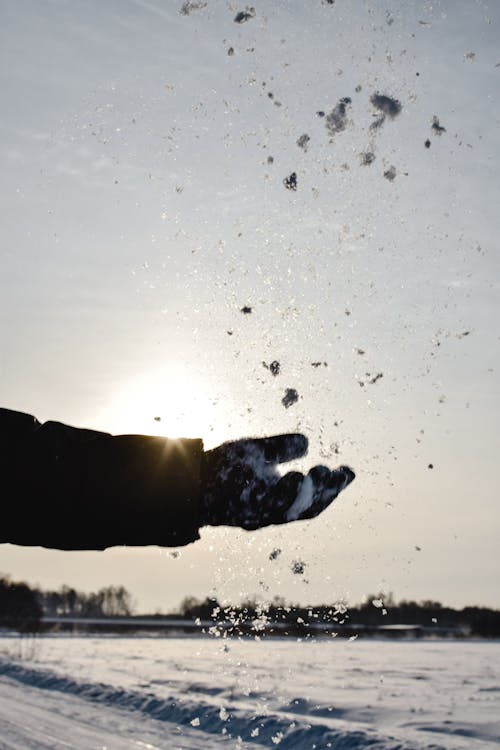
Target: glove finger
(253,451)
(325,486)
(322,476)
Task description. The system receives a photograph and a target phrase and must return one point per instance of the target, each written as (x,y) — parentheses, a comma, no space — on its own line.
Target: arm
(75,489)
(69,488)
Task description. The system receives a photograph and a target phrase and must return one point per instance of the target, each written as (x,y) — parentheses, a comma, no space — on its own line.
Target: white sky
(140,214)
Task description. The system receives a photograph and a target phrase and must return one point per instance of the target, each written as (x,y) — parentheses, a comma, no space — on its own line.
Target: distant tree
(207,609)
(52,602)
(116,601)
(483,622)
(68,600)
(430,604)
(188,606)
(19,607)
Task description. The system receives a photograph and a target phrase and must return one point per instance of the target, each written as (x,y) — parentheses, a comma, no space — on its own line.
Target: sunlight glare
(172,402)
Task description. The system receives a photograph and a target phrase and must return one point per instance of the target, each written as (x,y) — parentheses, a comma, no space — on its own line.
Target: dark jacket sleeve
(74,489)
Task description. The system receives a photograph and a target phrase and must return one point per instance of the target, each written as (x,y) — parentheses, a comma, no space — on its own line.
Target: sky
(145,150)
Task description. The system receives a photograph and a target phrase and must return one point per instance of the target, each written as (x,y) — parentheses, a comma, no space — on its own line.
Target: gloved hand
(242,486)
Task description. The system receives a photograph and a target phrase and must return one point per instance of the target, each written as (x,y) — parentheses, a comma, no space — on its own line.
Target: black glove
(242,487)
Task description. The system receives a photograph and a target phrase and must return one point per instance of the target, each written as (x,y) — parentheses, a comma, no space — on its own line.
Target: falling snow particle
(291,397)
(367,158)
(290,182)
(190,5)
(336,120)
(275,367)
(244,15)
(303,141)
(195,722)
(436,127)
(378,603)
(386,105)
(277,738)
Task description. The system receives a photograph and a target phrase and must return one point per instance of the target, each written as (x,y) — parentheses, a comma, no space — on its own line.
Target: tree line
(23,607)
(377,610)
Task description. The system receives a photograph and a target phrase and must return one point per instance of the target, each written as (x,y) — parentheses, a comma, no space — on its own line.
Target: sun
(172,402)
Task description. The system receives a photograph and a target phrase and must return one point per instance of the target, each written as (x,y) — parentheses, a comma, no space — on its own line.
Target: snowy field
(112,693)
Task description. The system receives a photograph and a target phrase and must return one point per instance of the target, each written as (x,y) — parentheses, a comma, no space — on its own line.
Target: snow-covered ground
(185,692)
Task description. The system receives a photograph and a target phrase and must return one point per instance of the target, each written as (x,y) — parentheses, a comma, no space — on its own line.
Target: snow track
(101,716)
(40,718)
